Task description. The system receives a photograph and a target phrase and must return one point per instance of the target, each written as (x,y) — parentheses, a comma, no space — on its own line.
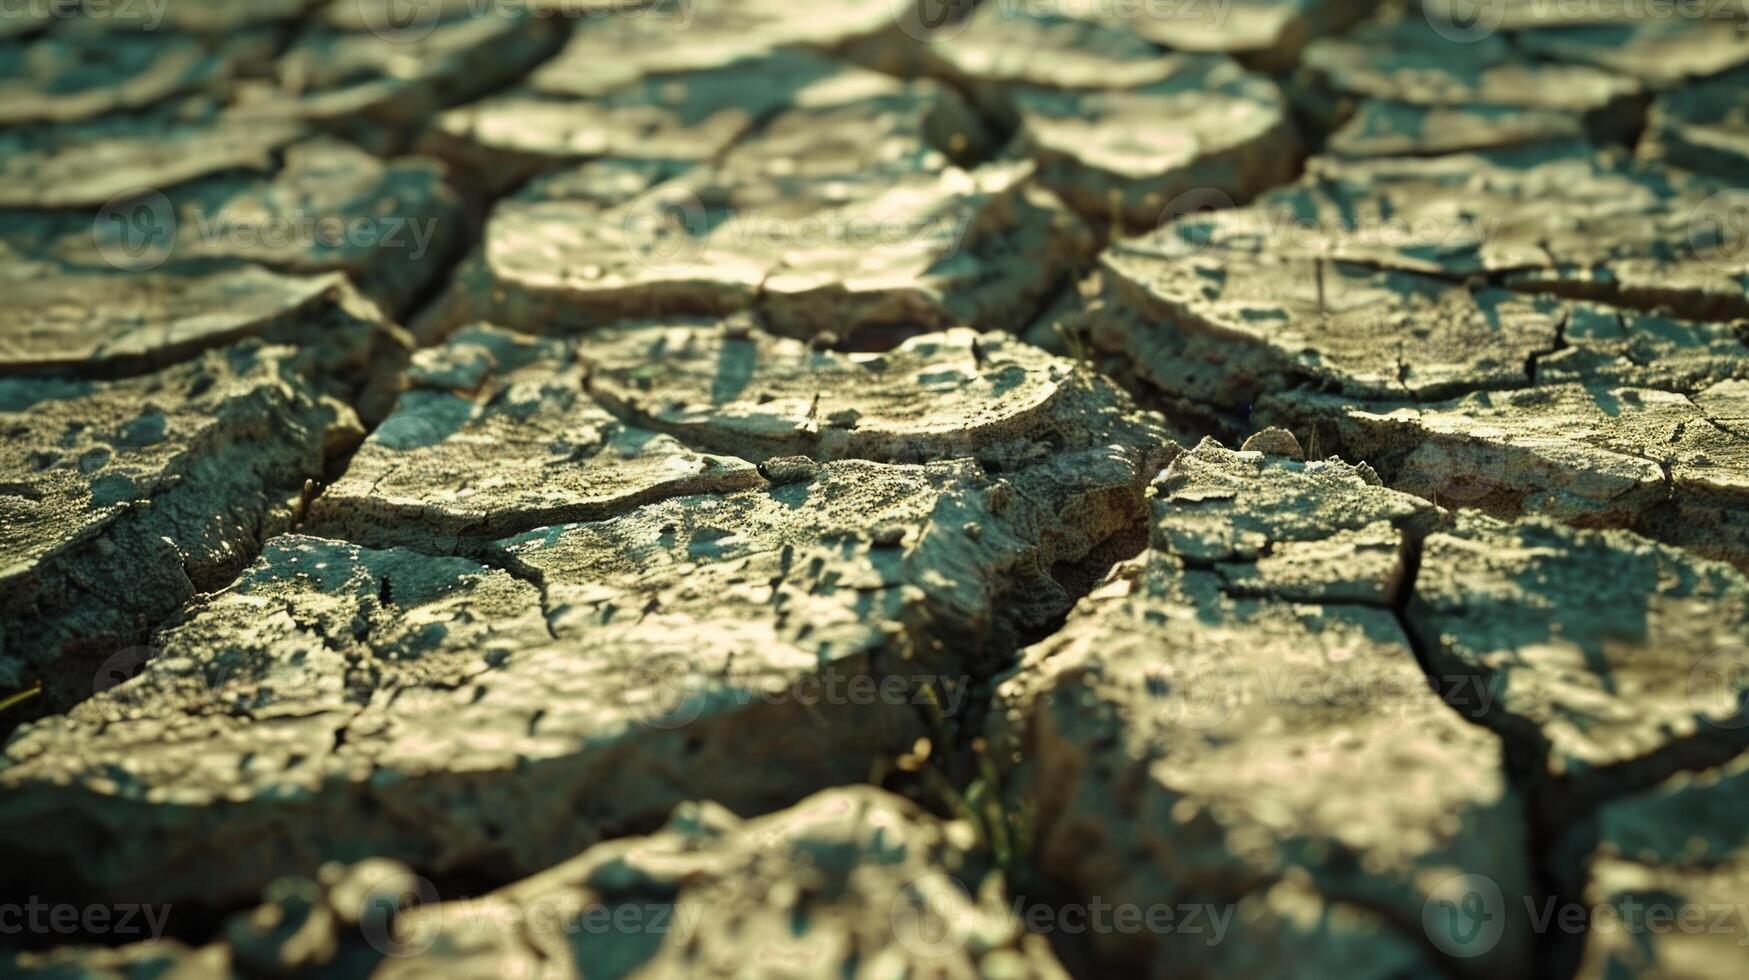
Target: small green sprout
(14,700)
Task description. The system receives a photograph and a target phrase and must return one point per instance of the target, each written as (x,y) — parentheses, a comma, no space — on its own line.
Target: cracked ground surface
(589,489)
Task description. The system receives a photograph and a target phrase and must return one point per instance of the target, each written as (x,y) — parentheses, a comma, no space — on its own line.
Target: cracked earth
(570,489)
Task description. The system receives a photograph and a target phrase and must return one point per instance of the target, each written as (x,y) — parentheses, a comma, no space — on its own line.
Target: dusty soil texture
(864,489)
